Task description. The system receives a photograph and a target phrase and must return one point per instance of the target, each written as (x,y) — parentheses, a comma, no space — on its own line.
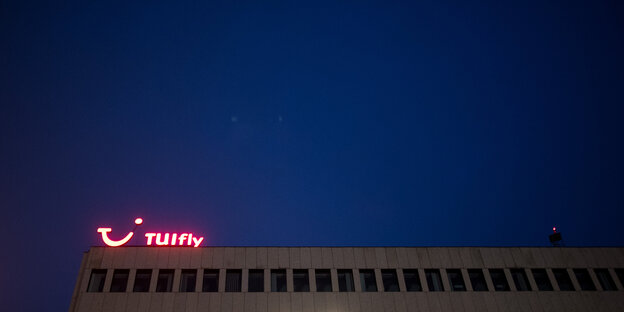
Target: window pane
(541,280)
(390,280)
(499,280)
(520,280)
(605,280)
(96,281)
(120,281)
(323,281)
(165,280)
(620,275)
(301,280)
(211,281)
(187,280)
(367,280)
(142,280)
(412,280)
(256,281)
(233,280)
(584,280)
(563,279)
(434,280)
(345,280)
(477,280)
(278,280)
(456,280)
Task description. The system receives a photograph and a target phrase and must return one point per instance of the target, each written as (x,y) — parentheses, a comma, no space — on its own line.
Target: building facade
(375,279)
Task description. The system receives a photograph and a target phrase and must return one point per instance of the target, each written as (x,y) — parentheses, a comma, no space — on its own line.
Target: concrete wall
(334,258)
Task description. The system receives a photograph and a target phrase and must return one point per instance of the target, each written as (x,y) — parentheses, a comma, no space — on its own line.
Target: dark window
(520,279)
(345,280)
(367,280)
(323,280)
(563,279)
(278,280)
(96,281)
(211,281)
(620,275)
(165,280)
(142,280)
(584,280)
(187,280)
(390,280)
(256,280)
(605,280)
(301,280)
(499,280)
(412,280)
(120,281)
(477,280)
(456,280)
(434,280)
(233,280)
(541,279)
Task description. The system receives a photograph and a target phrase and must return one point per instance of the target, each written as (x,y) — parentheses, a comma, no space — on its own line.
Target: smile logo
(161,239)
(124,240)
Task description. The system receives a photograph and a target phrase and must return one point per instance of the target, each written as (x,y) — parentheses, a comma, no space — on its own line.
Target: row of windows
(368,281)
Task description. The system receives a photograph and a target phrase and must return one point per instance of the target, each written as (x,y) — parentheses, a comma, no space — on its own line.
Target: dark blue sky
(290,123)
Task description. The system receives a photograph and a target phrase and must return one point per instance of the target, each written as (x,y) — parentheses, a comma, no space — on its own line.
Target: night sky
(304,124)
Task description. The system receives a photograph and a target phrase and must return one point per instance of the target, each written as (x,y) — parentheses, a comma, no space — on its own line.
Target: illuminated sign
(183,239)
(113,243)
(160,239)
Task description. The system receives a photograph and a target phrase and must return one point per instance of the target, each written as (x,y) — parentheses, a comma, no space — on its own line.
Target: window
(256,281)
(605,280)
(390,280)
(541,280)
(499,280)
(187,280)
(165,280)
(278,280)
(142,280)
(434,280)
(520,280)
(323,281)
(584,280)
(233,280)
(620,275)
(345,280)
(211,281)
(563,279)
(412,281)
(456,280)
(96,281)
(120,281)
(367,280)
(477,280)
(301,280)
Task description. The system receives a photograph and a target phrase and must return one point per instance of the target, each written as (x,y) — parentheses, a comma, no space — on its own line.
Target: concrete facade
(355,258)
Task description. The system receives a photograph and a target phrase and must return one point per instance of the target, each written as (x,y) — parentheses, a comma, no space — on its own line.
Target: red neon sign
(182,239)
(161,239)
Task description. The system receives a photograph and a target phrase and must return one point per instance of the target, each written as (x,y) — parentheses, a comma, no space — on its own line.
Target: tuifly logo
(161,239)
(112,243)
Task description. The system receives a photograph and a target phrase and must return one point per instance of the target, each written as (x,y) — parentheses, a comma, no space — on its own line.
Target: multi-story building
(319,279)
